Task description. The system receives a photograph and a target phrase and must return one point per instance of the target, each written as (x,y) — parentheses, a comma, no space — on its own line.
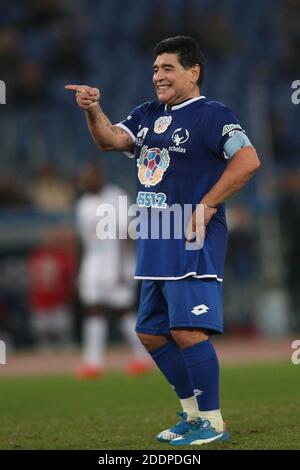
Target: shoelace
(183,417)
(199,424)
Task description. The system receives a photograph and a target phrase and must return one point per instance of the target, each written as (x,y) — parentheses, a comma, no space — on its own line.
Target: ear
(196,70)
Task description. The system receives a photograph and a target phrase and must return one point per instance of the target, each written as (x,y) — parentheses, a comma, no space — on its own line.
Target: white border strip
(119,124)
(186,103)
(219,279)
(193,274)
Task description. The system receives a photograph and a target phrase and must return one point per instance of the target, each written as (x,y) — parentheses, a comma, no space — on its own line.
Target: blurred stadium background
(252,57)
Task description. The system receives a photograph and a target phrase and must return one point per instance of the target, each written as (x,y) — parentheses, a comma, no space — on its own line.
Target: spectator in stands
(44,14)
(11,59)
(10,192)
(29,89)
(67,58)
(49,192)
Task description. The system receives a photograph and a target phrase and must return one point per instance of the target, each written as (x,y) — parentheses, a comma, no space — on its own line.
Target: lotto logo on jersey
(152,164)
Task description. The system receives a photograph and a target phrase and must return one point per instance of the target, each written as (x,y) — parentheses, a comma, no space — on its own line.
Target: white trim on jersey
(200,276)
(182,105)
(119,124)
(193,274)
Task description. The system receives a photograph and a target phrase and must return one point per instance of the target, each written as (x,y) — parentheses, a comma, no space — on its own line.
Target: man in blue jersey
(189,151)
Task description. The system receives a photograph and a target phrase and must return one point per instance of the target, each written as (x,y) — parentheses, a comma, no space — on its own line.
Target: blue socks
(169,360)
(203,367)
(191,371)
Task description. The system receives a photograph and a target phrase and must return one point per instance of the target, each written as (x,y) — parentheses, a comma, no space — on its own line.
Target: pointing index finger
(74,87)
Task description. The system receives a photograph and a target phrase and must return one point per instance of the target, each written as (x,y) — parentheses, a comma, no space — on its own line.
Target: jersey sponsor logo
(229,127)
(161,124)
(152,163)
(141,135)
(180,136)
(200,309)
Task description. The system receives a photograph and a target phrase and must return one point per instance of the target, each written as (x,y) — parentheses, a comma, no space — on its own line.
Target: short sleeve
(132,122)
(220,123)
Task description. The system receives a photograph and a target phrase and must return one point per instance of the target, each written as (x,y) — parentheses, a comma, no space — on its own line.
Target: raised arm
(107,136)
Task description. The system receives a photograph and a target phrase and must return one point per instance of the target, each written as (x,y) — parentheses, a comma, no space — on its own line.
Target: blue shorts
(186,303)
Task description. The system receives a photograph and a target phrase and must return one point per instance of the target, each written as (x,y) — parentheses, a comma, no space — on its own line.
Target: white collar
(185,103)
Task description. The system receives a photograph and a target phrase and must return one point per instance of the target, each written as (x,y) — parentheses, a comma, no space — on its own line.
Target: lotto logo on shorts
(200,309)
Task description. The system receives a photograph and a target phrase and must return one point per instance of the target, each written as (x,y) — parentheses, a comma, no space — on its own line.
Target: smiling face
(173,83)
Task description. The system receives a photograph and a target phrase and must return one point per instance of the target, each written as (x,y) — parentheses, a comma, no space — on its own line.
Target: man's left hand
(199,221)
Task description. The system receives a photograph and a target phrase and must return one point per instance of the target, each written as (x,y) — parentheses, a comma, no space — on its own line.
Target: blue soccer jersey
(179,157)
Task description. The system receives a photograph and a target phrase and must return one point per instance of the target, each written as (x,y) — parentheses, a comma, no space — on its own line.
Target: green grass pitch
(259,403)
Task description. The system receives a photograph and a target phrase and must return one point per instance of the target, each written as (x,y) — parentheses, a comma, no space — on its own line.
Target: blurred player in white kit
(105,277)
